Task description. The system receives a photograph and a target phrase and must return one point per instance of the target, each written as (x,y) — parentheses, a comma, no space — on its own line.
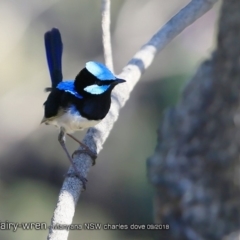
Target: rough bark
(195,168)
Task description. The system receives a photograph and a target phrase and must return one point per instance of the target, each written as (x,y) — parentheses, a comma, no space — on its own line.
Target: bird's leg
(61,139)
(86,150)
(75,139)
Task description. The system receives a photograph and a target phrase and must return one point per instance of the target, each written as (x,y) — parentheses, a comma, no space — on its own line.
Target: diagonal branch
(106,33)
(95,137)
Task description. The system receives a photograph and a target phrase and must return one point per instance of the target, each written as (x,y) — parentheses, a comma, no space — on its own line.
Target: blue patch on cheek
(100,71)
(95,89)
(68,86)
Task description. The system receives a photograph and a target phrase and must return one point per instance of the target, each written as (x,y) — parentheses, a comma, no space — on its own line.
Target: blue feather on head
(100,71)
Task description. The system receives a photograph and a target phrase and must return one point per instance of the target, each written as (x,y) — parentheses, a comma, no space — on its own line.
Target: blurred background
(32,163)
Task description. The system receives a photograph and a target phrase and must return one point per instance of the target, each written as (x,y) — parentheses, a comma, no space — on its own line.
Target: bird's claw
(86,151)
(79,176)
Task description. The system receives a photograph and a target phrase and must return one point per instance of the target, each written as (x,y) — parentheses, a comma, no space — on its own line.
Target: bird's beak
(119,81)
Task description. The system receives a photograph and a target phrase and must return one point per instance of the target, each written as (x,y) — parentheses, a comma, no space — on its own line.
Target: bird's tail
(54,49)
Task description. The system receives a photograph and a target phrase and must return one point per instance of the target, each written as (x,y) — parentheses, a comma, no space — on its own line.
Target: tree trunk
(195,168)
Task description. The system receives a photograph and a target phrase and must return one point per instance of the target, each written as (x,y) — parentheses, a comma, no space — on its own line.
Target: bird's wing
(54,49)
(68,86)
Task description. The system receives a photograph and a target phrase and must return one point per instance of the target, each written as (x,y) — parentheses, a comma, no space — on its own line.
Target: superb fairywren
(75,105)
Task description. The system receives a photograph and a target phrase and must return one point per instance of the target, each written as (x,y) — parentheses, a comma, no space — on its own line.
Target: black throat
(93,107)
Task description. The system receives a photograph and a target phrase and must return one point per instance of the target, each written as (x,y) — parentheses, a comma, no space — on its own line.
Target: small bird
(77,104)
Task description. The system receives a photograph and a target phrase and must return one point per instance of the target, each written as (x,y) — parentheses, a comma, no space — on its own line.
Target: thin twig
(106,33)
(95,137)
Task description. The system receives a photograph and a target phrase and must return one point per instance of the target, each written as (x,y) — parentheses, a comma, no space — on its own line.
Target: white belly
(70,122)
